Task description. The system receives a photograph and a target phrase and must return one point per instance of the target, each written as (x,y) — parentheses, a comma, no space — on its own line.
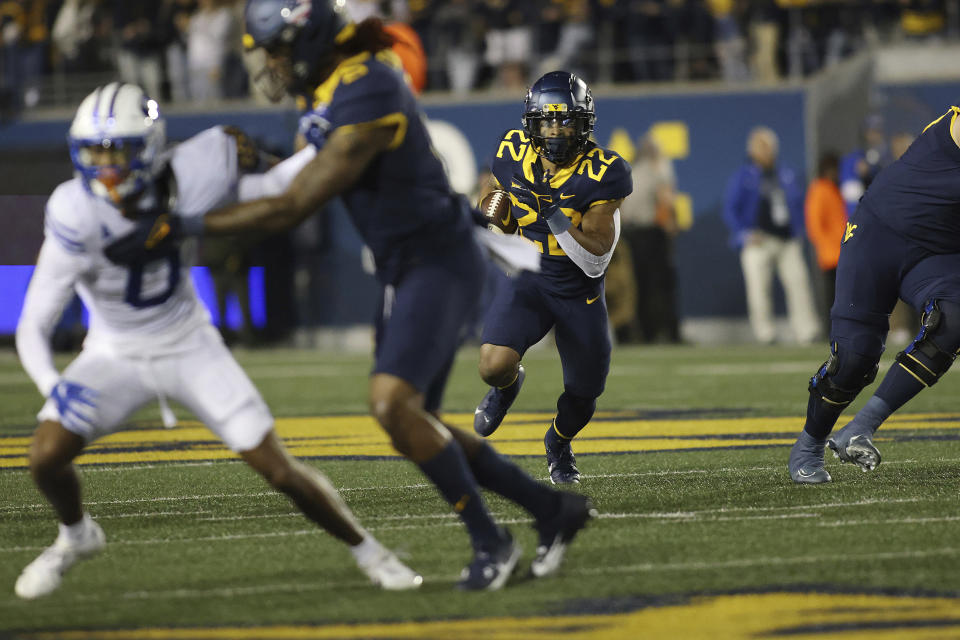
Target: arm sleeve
(592,265)
(276,180)
(51,288)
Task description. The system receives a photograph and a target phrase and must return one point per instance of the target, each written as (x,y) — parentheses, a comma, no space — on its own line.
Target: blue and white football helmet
(566,99)
(118,117)
(301,32)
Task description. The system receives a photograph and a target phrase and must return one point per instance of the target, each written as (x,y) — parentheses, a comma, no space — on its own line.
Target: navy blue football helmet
(302,31)
(564,98)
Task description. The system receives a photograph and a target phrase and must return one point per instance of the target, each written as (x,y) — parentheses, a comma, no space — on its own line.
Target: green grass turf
(209,544)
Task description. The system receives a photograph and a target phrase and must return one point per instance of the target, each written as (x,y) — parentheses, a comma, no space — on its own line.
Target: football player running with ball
(150,336)
(565,193)
(903,241)
(368,145)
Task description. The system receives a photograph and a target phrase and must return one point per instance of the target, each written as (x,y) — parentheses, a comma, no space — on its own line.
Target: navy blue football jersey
(402,205)
(918,196)
(596,176)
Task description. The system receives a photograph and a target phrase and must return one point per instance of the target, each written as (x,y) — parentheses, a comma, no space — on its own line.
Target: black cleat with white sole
(556,534)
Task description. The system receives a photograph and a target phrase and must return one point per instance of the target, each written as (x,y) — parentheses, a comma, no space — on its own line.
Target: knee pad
(573,413)
(935,348)
(845,373)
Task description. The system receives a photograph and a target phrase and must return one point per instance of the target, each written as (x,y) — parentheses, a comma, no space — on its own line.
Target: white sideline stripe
(769,561)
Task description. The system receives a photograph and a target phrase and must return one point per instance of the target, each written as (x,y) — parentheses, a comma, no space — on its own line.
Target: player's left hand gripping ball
(154,236)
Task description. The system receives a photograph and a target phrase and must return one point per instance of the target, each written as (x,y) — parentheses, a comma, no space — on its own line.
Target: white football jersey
(133,311)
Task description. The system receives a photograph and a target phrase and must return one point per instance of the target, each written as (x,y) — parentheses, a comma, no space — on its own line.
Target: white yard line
(448,520)
(737,563)
(651,567)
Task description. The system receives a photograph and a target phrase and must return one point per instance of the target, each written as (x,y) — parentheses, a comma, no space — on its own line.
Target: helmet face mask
(296,37)
(115,141)
(559,116)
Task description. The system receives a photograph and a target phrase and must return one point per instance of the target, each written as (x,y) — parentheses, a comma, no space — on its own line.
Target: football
(496,207)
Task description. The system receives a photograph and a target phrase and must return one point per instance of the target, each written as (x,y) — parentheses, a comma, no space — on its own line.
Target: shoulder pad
(68,217)
(205,167)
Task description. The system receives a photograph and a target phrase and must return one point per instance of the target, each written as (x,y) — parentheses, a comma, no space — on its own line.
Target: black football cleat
(556,534)
(494,406)
(561,464)
(490,569)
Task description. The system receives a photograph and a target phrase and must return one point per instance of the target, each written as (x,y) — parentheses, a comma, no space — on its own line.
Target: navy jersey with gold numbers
(402,205)
(596,176)
(918,196)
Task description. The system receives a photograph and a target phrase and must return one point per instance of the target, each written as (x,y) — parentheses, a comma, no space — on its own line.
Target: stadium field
(701,533)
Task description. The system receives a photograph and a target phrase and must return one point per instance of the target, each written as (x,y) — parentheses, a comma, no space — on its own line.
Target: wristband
(558,222)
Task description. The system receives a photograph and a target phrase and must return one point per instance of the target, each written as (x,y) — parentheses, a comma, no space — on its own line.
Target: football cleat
(490,570)
(857,448)
(494,406)
(561,463)
(806,461)
(387,572)
(44,575)
(555,534)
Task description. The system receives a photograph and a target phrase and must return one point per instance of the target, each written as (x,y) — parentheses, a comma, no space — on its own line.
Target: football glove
(153,237)
(551,214)
(75,403)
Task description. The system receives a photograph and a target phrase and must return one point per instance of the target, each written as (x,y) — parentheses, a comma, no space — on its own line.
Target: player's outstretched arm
(337,166)
(51,288)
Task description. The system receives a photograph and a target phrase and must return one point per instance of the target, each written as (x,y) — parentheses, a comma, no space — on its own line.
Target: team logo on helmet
(559,116)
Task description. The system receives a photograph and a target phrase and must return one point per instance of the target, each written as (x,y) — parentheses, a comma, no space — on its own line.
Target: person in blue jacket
(763,209)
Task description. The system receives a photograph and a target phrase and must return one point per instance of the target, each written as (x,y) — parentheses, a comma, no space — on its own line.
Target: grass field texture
(701,534)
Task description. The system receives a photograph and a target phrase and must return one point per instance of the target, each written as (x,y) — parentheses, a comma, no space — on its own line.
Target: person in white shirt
(149,337)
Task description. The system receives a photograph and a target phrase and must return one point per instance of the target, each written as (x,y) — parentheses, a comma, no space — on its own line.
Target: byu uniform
(420,233)
(149,335)
(561,295)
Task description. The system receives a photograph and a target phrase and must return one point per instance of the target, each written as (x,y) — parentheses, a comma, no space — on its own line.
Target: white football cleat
(43,576)
(387,572)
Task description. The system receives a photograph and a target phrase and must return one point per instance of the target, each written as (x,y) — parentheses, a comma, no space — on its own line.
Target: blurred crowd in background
(190,50)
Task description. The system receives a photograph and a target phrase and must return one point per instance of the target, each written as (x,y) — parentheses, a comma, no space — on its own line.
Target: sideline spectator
(139,50)
(649,224)
(826,216)
(574,34)
(458,37)
(73,35)
(24,35)
(509,39)
(208,42)
(174,24)
(859,167)
(763,210)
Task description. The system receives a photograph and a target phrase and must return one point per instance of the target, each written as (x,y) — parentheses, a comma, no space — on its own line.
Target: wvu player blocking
(369,146)
(565,191)
(150,336)
(902,241)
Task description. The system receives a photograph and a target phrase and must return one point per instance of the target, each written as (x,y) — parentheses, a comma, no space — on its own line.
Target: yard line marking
(261,494)
(910,520)
(152,514)
(772,560)
(664,517)
(287,587)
